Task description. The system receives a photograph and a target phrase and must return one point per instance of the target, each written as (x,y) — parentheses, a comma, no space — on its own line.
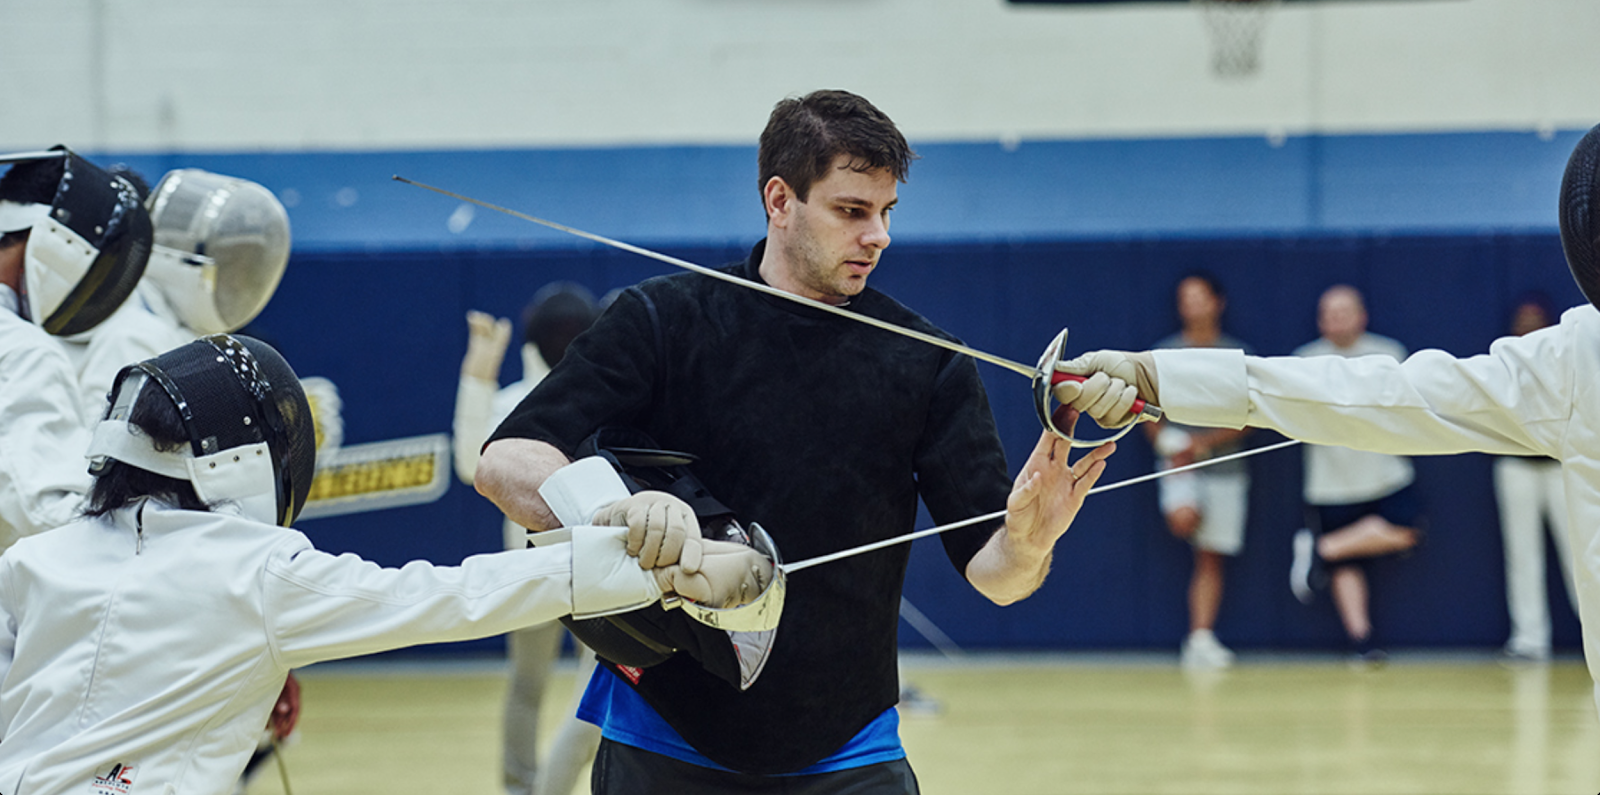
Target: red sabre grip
(1057,377)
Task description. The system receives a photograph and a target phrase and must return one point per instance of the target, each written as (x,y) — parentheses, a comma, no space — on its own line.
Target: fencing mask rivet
(236,458)
(213,465)
(247,420)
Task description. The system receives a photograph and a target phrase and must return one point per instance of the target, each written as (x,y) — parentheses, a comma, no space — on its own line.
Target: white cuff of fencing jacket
(578,490)
(605,578)
(1203,386)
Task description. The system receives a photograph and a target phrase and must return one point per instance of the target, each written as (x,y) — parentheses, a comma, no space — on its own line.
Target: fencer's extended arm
(324,607)
(510,474)
(1516,399)
(1044,500)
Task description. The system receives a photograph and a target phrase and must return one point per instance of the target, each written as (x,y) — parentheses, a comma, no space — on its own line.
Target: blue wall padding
(959,192)
(386,325)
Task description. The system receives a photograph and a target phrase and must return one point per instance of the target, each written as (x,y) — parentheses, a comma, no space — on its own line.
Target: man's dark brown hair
(804,136)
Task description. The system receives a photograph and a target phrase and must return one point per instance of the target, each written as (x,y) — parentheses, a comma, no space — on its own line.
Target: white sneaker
(1201,650)
(1300,569)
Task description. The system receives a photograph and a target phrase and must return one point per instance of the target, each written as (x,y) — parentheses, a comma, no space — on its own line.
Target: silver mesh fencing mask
(221,247)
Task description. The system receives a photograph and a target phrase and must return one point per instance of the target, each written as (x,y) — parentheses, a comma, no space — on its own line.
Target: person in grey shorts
(1207,507)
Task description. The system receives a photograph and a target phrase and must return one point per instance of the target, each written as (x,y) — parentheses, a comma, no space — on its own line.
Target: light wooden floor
(1031,726)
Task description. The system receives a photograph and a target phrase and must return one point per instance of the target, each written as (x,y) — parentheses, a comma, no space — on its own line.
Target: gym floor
(1452,724)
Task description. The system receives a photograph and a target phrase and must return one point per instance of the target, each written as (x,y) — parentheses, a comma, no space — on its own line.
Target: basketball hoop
(1235,28)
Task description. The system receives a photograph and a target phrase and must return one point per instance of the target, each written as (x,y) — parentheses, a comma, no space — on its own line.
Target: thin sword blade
(730,278)
(790,568)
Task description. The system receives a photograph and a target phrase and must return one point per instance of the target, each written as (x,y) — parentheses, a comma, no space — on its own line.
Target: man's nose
(877,235)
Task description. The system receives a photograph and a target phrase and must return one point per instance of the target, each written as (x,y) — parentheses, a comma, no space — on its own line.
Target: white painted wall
(189,75)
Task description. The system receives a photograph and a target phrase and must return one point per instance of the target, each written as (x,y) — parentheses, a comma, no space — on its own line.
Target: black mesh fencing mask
(86,250)
(240,403)
(1580,215)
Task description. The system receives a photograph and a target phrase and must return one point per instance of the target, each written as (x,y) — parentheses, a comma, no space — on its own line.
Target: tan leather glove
(487,337)
(662,529)
(1115,380)
(730,575)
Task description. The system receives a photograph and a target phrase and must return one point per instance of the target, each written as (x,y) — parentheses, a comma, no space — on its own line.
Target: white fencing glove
(730,575)
(662,529)
(1115,380)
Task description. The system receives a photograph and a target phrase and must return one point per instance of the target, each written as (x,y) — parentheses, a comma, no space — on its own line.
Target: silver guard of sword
(1043,396)
(760,615)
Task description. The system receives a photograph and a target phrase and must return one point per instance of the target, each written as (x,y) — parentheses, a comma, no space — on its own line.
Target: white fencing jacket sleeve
(155,641)
(1535,394)
(43,475)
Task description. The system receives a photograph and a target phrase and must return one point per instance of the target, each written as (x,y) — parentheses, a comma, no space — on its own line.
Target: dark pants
(624,770)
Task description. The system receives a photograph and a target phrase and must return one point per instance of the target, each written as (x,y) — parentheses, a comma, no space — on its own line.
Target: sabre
(790,568)
(1043,374)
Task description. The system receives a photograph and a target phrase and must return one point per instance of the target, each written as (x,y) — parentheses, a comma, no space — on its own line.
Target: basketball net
(1235,28)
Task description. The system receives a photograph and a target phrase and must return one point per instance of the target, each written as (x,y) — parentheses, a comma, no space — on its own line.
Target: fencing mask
(221,246)
(88,243)
(649,636)
(1580,215)
(251,439)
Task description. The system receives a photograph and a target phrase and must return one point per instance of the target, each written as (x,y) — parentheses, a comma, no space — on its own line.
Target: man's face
(827,245)
(1341,317)
(1197,305)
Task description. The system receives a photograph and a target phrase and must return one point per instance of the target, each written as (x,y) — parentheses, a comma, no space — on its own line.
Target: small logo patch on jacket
(113,779)
(631,672)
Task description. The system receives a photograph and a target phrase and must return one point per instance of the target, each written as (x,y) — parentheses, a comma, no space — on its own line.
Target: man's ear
(779,199)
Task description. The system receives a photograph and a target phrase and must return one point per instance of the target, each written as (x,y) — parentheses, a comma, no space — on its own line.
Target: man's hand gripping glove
(1115,380)
(662,529)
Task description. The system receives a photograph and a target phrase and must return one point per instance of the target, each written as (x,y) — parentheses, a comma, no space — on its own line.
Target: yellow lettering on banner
(373,477)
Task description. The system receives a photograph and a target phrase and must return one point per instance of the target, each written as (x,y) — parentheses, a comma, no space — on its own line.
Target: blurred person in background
(558,313)
(1529,492)
(1207,508)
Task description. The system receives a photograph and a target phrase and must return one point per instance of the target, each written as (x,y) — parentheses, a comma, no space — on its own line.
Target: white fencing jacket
(146,659)
(143,328)
(43,476)
(1537,394)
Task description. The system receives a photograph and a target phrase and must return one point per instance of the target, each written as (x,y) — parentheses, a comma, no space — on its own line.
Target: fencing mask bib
(250,436)
(86,249)
(221,246)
